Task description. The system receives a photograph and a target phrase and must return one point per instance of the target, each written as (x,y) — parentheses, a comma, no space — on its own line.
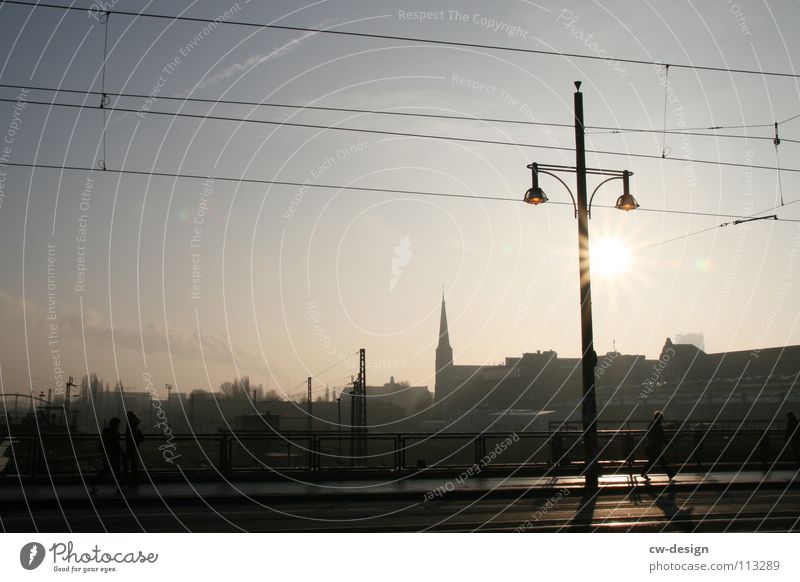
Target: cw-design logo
(31,555)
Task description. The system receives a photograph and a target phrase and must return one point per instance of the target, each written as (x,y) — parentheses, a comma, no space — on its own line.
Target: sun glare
(610,257)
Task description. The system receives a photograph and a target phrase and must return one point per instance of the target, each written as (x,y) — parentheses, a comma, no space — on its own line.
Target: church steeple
(444,352)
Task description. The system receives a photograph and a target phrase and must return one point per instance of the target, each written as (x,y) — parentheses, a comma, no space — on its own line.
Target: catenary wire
(701,231)
(699,131)
(417,135)
(229,22)
(74,168)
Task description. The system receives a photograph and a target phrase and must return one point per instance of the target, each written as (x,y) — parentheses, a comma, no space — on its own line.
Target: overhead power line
(421,40)
(73,168)
(439,137)
(699,132)
(753,217)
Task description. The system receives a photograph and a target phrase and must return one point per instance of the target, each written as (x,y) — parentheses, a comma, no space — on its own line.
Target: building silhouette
(685,380)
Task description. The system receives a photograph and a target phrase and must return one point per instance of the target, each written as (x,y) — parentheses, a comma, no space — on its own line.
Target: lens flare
(610,257)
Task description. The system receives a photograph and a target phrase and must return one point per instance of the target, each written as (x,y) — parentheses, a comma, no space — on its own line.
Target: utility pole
(67,389)
(358,415)
(169,394)
(309,405)
(588,356)
(339,424)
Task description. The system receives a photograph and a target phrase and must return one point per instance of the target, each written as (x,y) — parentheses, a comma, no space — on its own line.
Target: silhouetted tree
(241,389)
(272,396)
(202,395)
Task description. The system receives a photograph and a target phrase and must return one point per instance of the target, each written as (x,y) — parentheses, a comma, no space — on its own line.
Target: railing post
(34,456)
(764,446)
(698,448)
(224,452)
(629,451)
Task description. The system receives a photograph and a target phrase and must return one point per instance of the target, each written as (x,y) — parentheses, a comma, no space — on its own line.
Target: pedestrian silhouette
(133,436)
(792,436)
(654,447)
(112,455)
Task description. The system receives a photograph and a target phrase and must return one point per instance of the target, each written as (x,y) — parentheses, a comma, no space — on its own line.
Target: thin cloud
(97,331)
(237,69)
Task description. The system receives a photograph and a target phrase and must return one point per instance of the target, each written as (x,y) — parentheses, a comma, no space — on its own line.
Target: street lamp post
(582,205)
(339,425)
(169,398)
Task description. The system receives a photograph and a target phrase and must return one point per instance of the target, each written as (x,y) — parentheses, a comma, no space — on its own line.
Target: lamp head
(535,195)
(626,202)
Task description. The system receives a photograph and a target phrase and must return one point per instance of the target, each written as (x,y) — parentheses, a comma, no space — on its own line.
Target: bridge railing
(226,453)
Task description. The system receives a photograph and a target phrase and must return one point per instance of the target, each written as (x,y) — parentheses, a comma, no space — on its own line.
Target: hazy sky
(293,280)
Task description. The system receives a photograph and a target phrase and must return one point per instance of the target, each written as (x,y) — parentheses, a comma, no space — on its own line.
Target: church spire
(444,352)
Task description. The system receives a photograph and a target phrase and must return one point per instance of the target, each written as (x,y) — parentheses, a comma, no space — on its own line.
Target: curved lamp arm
(589,209)
(563,183)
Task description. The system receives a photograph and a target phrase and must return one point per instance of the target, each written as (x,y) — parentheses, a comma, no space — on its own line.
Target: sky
(198,281)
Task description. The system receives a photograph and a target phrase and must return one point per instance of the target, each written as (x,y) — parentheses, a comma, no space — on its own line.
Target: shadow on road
(677,517)
(582,521)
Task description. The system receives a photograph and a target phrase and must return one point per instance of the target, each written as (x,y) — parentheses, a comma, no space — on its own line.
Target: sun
(610,257)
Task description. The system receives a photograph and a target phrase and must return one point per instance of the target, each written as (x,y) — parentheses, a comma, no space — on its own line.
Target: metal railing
(227,453)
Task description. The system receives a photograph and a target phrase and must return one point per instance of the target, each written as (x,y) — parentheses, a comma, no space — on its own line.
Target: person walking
(654,447)
(112,455)
(133,437)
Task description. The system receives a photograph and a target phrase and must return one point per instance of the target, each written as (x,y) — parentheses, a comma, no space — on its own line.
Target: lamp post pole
(339,425)
(582,205)
(588,355)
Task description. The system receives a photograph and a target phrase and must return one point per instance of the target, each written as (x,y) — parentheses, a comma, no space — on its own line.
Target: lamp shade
(535,196)
(627,203)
